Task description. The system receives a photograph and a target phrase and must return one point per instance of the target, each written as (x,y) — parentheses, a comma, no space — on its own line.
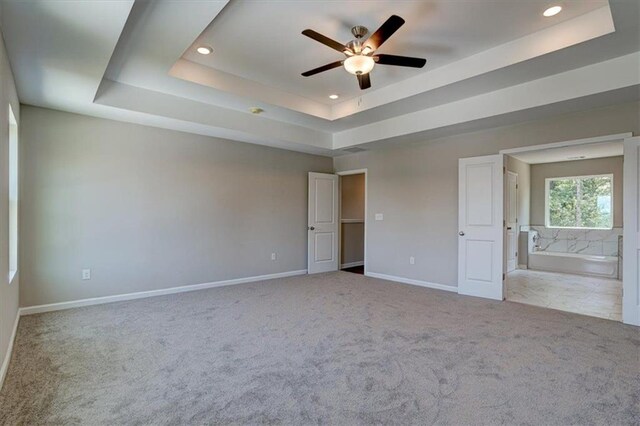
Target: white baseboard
(351,264)
(7,356)
(143,294)
(412,281)
(522,267)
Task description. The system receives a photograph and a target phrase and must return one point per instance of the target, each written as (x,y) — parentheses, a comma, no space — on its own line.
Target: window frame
(547,218)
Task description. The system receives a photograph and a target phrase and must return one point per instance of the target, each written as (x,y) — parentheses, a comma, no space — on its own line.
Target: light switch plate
(379,216)
(86,274)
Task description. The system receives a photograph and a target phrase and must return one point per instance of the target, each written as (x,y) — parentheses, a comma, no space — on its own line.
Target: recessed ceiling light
(333,96)
(204,50)
(553,10)
(256,110)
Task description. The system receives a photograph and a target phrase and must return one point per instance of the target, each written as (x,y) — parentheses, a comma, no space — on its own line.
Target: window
(13,195)
(582,202)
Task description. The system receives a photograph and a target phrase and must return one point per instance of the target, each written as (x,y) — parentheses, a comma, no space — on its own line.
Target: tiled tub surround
(593,242)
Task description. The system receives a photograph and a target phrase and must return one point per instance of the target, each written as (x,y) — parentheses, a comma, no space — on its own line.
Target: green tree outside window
(580,202)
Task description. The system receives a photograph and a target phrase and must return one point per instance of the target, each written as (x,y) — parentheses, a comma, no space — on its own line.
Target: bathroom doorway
(353,221)
(565,250)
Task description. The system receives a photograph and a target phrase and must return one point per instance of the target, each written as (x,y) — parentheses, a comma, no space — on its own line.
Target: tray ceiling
(490,62)
(261,41)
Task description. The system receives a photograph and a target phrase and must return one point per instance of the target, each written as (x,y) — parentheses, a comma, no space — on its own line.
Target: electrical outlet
(379,216)
(412,260)
(86,274)
(274,256)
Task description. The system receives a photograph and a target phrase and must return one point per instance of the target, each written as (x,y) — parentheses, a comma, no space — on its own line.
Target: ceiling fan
(360,56)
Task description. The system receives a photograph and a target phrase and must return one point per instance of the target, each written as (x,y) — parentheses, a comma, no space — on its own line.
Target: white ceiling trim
(572,153)
(620,72)
(616,137)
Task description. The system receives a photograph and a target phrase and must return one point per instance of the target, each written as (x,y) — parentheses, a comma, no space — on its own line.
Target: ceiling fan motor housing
(359,31)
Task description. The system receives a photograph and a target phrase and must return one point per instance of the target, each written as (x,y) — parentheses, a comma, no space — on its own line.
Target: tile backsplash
(595,242)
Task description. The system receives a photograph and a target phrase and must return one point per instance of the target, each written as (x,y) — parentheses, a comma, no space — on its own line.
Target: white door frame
(630,291)
(366,215)
(631,238)
(516,231)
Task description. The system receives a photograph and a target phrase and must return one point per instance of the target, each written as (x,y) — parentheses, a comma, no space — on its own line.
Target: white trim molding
(7,356)
(631,247)
(412,281)
(575,142)
(161,292)
(351,264)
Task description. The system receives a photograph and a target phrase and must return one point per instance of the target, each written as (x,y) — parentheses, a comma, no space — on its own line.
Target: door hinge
(516,186)
(504,223)
(504,170)
(516,254)
(504,277)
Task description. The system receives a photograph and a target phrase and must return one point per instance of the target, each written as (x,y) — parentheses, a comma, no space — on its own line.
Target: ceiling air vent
(354,150)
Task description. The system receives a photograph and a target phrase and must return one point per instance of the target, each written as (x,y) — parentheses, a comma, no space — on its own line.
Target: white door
(322,232)
(511,217)
(631,239)
(480,236)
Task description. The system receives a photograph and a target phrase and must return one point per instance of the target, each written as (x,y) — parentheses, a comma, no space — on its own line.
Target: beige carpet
(337,348)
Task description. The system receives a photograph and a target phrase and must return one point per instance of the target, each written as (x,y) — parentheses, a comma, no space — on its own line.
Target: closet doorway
(353,207)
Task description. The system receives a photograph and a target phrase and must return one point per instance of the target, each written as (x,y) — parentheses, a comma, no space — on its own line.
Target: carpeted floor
(335,348)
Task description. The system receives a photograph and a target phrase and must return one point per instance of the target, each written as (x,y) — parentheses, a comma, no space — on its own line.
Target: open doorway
(352,221)
(563,228)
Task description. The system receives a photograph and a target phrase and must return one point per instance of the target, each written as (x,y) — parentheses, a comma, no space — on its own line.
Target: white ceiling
(490,61)
(261,41)
(572,153)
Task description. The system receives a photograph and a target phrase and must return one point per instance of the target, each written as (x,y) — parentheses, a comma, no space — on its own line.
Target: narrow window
(13,195)
(582,202)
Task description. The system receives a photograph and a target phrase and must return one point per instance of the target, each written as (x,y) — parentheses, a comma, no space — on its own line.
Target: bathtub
(572,263)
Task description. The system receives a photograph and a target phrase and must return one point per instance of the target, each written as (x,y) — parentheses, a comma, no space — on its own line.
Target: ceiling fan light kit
(360,58)
(359,64)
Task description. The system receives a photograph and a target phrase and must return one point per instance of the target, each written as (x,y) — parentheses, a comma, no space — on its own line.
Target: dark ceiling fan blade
(364,81)
(322,68)
(384,32)
(325,40)
(401,61)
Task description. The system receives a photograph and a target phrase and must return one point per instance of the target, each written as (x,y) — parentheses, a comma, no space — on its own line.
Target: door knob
(461,233)
(312,228)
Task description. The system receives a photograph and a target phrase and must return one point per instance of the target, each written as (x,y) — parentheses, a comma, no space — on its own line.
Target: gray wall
(596,166)
(416,187)
(149,208)
(8,291)
(524,196)
(352,207)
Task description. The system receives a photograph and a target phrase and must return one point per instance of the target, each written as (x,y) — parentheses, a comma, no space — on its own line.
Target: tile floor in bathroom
(597,297)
